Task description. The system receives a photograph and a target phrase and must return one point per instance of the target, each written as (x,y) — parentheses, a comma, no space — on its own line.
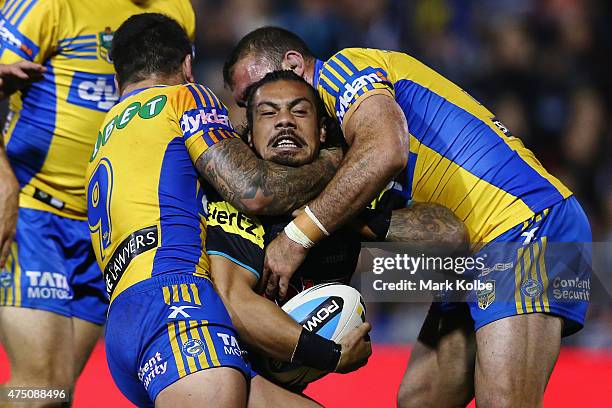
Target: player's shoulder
(194,94)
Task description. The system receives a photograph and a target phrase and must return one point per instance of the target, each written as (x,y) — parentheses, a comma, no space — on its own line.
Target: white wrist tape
(314,219)
(296,235)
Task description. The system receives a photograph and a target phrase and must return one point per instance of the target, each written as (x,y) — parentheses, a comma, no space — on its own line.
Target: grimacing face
(286,129)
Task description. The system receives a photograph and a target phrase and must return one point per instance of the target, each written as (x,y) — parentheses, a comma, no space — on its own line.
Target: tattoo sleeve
(262,187)
(428,224)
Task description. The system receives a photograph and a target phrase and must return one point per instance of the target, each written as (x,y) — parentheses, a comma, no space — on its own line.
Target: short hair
(148,44)
(269,42)
(334,137)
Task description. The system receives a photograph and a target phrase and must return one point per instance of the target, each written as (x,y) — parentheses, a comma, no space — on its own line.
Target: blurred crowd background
(544,67)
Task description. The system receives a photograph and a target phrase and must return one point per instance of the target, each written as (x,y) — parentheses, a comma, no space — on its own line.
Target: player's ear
(188,69)
(294,61)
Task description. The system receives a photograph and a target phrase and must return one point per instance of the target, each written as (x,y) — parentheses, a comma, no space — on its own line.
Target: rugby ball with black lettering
(329,310)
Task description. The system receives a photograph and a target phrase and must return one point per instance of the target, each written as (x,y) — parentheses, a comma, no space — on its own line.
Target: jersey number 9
(99,192)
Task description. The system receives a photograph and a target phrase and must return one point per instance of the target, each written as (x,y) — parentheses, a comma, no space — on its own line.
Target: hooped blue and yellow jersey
(145,200)
(460,156)
(53,123)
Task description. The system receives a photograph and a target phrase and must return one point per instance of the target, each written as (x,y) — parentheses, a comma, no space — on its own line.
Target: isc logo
(91,91)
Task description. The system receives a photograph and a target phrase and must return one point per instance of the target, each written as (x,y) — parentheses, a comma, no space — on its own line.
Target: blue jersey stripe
(346,62)
(76,46)
(207,101)
(326,86)
(25,13)
(326,75)
(7,6)
(346,76)
(10,10)
(30,140)
(78,38)
(83,57)
(195,95)
(467,141)
(181,245)
(206,91)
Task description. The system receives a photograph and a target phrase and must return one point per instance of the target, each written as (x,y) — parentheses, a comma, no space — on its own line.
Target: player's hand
(356,349)
(283,257)
(9,208)
(14,77)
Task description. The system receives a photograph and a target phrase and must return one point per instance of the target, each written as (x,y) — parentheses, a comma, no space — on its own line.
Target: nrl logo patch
(105,40)
(486,296)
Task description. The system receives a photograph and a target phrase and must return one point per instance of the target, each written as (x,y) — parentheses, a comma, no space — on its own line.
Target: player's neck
(153,81)
(309,67)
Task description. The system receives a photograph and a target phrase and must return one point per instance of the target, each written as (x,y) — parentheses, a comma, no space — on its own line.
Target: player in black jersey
(287,124)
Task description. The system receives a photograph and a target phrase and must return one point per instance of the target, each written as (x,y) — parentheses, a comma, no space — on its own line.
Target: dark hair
(334,137)
(269,42)
(148,44)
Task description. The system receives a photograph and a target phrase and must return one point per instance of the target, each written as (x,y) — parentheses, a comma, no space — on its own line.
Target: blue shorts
(52,267)
(162,329)
(541,265)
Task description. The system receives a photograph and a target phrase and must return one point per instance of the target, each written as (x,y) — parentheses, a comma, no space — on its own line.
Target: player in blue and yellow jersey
(51,291)
(146,193)
(404,121)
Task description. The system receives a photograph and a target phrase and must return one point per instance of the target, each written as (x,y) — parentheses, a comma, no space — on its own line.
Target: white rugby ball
(329,310)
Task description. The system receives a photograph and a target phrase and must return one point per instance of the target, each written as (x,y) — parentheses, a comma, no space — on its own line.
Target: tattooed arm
(428,224)
(262,187)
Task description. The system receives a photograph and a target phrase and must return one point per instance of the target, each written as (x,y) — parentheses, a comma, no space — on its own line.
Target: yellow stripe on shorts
(195,293)
(527,267)
(185,293)
(193,331)
(176,351)
(214,359)
(517,281)
(184,339)
(544,275)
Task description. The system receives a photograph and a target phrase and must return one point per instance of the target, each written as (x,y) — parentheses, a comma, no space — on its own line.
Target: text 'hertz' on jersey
(54,122)
(460,155)
(144,198)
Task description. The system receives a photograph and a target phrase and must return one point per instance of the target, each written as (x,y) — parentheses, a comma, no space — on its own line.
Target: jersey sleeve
(202,118)
(350,77)
(235,236)
(28,30)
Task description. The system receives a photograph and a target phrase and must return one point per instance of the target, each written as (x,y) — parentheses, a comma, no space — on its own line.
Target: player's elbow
(395,158)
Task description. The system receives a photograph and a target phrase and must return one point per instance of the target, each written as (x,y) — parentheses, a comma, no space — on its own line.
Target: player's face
(246,72)
(286,128)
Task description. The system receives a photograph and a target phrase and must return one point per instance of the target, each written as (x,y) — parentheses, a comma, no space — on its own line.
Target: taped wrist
(317,352)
